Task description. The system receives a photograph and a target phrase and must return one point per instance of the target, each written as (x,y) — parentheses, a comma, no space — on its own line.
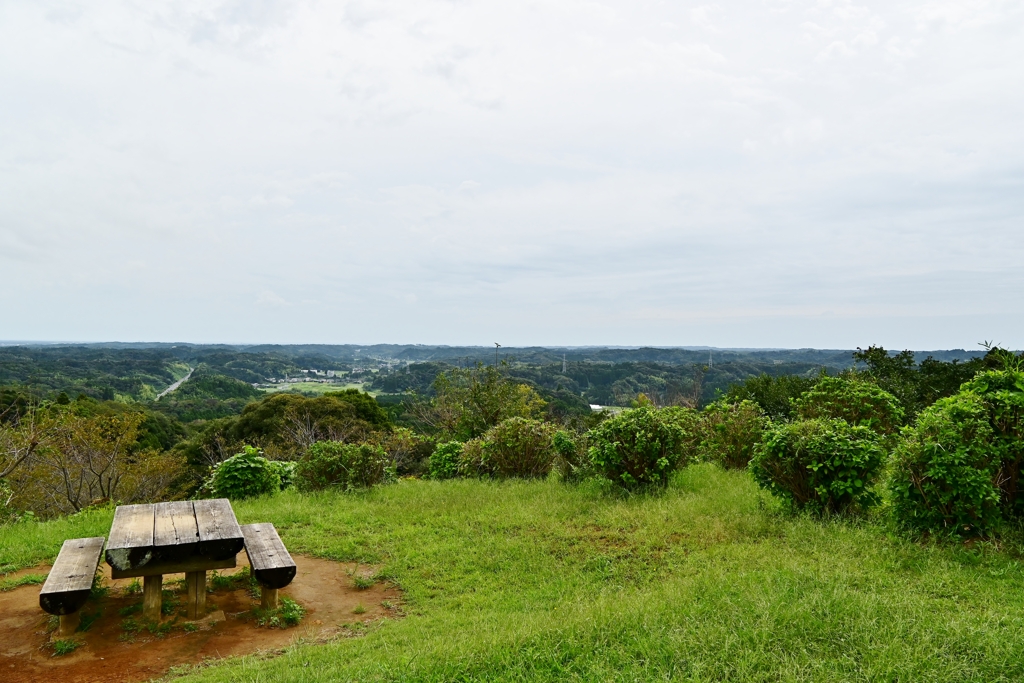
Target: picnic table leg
(268,598)
(152,597)
(196,582)
(69,623)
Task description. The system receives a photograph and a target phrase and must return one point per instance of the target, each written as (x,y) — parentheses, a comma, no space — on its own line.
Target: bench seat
(69,582)
(271,564)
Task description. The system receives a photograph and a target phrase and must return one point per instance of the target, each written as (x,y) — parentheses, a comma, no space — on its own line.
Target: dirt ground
(117,648)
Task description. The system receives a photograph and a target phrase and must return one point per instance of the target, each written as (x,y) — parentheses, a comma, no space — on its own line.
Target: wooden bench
(271,564)
(70,581)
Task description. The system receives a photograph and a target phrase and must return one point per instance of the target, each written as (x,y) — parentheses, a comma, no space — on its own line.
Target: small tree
(637,448)
(444,461)
(826,465)
(572,457)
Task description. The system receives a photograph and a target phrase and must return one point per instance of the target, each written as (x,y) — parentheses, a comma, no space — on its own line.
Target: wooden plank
(220,536)
(195,563)
(70,580)
(152,597)
(131,537)
(195,604)
(175,531)
(271,564)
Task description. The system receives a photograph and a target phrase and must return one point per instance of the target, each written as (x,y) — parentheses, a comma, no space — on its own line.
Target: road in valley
(175,385)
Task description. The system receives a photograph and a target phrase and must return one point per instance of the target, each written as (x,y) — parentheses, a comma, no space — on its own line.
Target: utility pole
(496,347)
(711,361)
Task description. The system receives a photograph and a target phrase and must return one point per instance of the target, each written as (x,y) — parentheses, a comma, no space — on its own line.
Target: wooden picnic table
(190,537)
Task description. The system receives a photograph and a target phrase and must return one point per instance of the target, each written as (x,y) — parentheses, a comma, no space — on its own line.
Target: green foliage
(775,395)
(730,432)
(945,469)
(468,402)
(290,613)
(572,457)
(65,647)
(444,461)
(638,447)
(823,464)
(245,475)
(341,465)
(854,400)
(958,470)
(26,580)
(517,447)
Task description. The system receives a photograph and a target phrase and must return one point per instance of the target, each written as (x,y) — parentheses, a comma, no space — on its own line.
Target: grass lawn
(708,582)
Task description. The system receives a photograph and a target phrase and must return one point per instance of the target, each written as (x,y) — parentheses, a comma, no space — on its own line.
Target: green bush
(857,401)
(825,465)
(638,447)
(244,475)
(730,431)
(958,469)
(519,447)
(444,461)
(342,465)
(472,460)
(945,469)
(285,469)
(572,459)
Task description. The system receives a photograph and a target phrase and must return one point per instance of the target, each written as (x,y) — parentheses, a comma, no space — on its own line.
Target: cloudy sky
(784,173)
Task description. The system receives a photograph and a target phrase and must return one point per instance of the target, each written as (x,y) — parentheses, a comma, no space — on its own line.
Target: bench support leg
(268,598)
(69,624)
(152,597)
(196,582)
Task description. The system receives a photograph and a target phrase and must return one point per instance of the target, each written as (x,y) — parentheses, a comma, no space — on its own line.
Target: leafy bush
(244,475)
(519,447)
(409,452)
(444,461)
(730,431)
(572,459)
(472,460)
(958,469)
(857,401)
(638,447)
(825,465)
(346,466)
(945,469)
(285,469)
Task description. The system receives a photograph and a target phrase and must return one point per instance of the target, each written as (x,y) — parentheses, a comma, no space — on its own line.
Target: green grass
(516,581)
(313,387)
(27,580)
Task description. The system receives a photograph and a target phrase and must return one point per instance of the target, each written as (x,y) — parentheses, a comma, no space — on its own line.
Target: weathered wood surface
(271,564)
(175,532)
(152,597)
(189,564)
(220,536)
(131,537)
(195,603)
(67,587)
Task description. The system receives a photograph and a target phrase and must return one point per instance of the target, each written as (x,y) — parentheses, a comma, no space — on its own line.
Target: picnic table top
(178,531)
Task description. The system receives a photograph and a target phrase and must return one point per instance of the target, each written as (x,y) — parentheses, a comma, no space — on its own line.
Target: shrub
(638,447)
(285,469)
(444,461)
(945,469)
(730,431)
(244,475)
(519,447)
(572,461)
(825,465)
(472,460)
(958,469)
(854,400)
(342,465)
(409,452)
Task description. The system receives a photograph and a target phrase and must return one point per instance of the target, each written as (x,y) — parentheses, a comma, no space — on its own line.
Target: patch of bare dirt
(118,648)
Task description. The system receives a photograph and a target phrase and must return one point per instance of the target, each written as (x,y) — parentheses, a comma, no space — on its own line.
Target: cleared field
(710,581)
(313,387)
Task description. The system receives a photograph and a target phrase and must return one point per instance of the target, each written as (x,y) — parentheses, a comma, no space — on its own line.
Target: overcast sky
(762,173)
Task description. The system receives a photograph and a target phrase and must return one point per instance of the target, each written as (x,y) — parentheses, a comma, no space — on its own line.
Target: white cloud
(639,173)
